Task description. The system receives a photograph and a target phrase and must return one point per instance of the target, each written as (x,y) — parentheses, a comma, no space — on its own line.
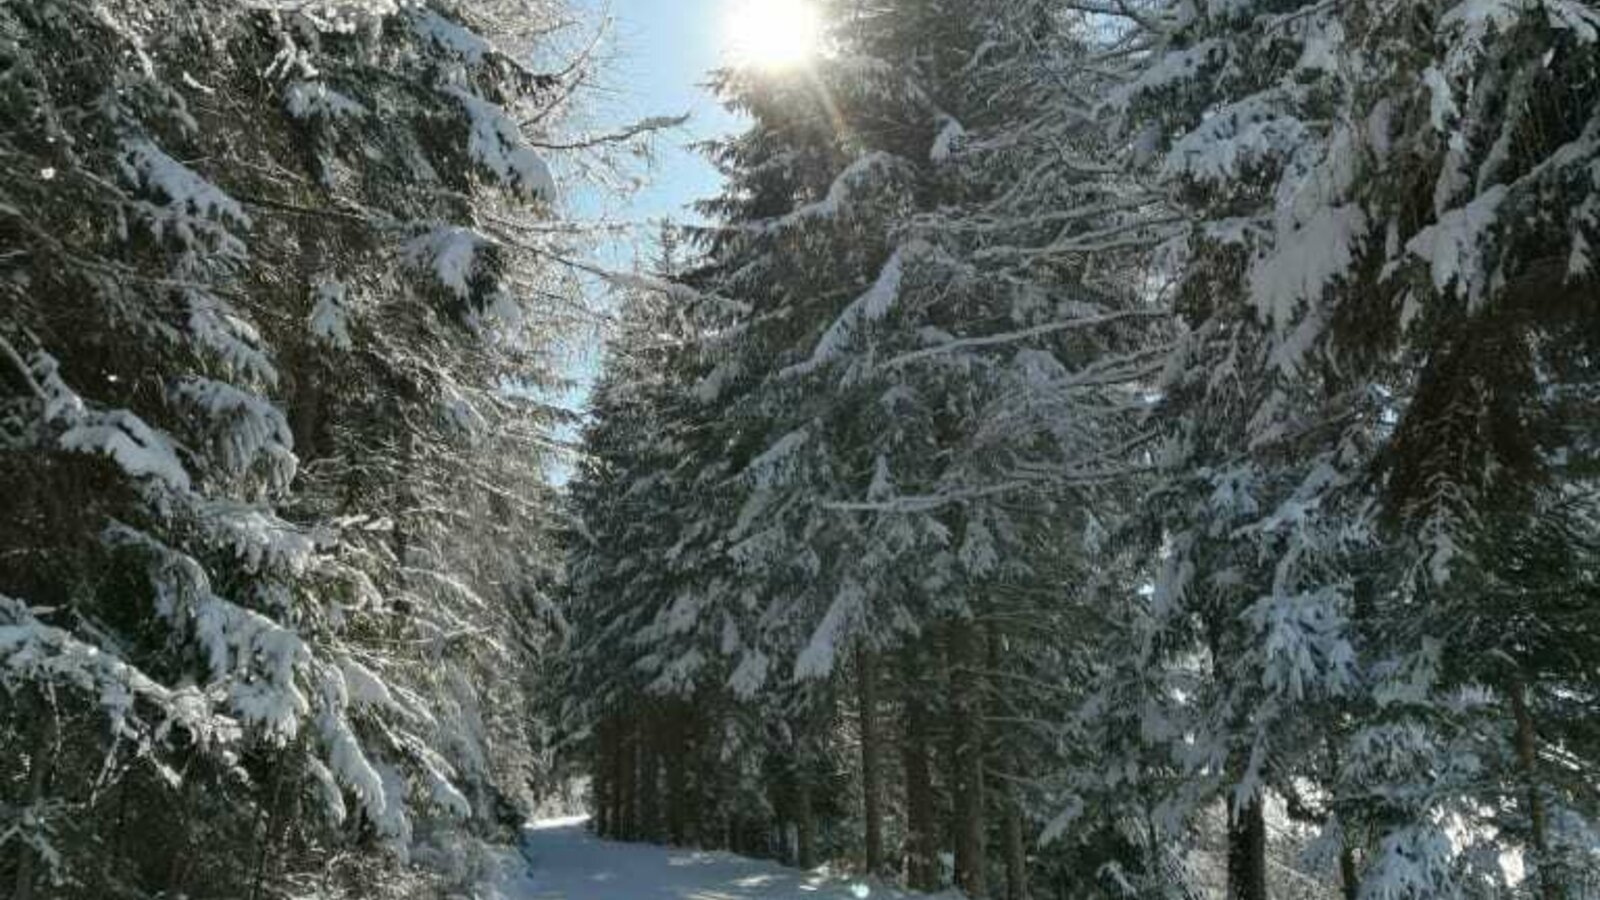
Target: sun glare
(773,34)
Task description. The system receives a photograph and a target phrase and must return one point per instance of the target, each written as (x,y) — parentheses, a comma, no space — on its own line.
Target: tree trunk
(1528,759)
(627,789)
(271,815)
(38,779)
(1349,878)
(806,823)
(966,712)
(1247,826)
(1349,875)
(922,834)
(1247,853)
(871,812)
(1015,841)
(602,778)
(677,783)
(791,844)
(649,784)
(618,787)
(307,401)
(1016,850)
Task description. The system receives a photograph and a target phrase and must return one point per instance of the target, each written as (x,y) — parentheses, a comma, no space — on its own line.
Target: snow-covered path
(569,863)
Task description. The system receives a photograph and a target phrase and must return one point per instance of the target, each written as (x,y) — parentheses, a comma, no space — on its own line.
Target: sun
(773,34)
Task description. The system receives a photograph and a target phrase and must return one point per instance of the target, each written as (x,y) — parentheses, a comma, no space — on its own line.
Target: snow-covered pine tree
(933,314)
(621,522)
(278,290)
(1268,428)
(1369,183)
(644,678)
(1479,138)
(1304,558)
(431,313)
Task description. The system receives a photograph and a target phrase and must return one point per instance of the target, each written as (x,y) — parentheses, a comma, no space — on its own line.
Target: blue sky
(659,53)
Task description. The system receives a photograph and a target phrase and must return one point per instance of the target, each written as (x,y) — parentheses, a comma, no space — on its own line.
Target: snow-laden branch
(1012,337)
(649,126)
(840,193)
(672,290)
(1100,241)
(915,503)
(869,307)
(22,368)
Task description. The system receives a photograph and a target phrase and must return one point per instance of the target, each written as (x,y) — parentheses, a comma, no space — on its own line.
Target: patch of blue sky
(658,56)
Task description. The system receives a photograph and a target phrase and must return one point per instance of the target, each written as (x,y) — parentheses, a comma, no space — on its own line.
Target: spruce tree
(276,291)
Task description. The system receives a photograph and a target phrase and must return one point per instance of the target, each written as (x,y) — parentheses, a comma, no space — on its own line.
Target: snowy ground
(569,863)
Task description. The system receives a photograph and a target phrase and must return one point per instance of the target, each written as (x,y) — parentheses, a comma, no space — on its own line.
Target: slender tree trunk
(871,792)
(1015,841)
(619,787)
(1528,759)
(268,822)
(966,712)
(120,843)
(677,783)
(806,822)
(1247,827)
(791,844)
(922,827)
(628,791)
(696,795)
(39,764)
(306,408)
(1016,849)
(649,783)
(1349,875)
(602,778)
(1247,853)
(1349,878)
(181,865)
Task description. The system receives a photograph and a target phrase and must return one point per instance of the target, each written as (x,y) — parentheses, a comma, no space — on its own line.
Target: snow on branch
(193,205)
(1171,67)
(217,327)
(255,659)
(139,450)
(463,43)
(1453,246)
(681,293)
(328,15)
(32,652)
(1012,337)
(449,253)
(850,182)
(496,143)
(762,466)
(349,765)
(330,317)
(246,427)
(261,540)
(634,131)
(925,502)
(1248,133)
(847,609)
(950,136)
(314,99)
(869,307)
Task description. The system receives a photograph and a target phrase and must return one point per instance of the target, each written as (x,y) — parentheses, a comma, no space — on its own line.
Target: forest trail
(567,862)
